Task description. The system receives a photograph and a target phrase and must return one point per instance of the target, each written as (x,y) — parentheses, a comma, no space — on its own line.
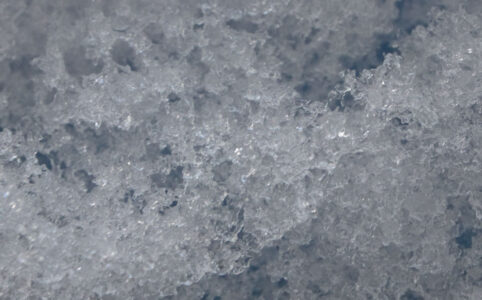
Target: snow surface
(182,149)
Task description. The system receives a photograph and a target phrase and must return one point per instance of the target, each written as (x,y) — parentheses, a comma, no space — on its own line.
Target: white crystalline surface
(240,150)
(400,210)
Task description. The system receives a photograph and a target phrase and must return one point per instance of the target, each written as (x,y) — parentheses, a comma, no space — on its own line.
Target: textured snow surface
(240,149)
